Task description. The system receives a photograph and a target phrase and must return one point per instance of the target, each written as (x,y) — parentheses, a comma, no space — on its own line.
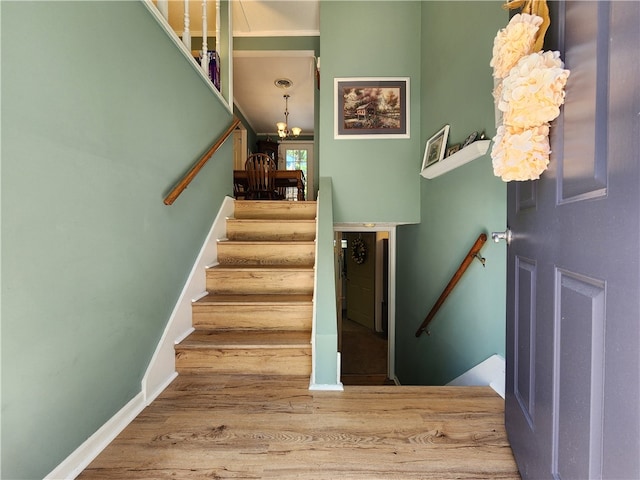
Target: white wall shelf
(461,157)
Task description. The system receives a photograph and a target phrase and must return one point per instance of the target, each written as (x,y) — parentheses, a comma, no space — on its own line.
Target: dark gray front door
(573,316)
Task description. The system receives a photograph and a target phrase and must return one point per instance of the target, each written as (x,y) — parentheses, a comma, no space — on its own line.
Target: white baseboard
(150,397)
(327,387)
(490,372)
(162,366)
(161,370)
(75,463)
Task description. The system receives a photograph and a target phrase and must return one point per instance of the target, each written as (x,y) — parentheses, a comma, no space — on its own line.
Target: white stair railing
(163,8)
(166,17)
(204,59)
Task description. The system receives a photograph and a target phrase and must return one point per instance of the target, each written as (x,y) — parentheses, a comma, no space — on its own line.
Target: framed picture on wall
(435,148)
(371,107)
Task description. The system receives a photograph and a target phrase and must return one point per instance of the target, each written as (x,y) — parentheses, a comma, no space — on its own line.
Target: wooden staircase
(256,317)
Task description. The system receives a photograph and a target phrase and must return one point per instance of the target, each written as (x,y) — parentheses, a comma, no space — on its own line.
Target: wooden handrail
(186,180)
(473,253)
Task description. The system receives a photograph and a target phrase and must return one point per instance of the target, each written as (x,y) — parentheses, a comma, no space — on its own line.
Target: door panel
(573,311)
(525,334)
(579,320)
(361,282)
(584,135)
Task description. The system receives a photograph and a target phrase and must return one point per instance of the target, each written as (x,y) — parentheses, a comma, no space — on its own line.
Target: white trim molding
(391,292)
(82,456)
(163,362)
(162,368)
(490,372)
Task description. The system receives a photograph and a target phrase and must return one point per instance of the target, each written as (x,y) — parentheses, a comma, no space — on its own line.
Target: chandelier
(283,127)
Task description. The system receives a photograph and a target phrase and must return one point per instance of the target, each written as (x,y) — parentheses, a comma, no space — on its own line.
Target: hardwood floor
(239,426)
(241,406)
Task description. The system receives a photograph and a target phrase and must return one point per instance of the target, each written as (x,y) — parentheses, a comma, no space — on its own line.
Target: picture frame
(371,107)
(452,149)
(435,148)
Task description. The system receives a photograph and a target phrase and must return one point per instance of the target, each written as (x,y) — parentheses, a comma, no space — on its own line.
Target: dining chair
(260,169)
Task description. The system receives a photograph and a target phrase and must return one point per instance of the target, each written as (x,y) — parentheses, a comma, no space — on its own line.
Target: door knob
(506,235)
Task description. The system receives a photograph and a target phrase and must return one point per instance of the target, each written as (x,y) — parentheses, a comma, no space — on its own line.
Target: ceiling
(261,102)
(255,94)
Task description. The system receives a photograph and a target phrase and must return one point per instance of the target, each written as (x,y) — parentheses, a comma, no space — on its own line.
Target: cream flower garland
(520,154)
(529,91)
(514,42)
(534,90)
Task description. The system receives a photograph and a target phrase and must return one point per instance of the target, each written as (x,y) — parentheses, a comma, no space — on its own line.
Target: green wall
(276,43)
(374,180)
(326,331)
(101,115)
(456,83)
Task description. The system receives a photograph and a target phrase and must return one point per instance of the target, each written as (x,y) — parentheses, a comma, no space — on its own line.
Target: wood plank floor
(273,427)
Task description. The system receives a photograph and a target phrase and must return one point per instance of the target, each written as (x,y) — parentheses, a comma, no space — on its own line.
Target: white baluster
(217,26)
(186,32)
(163,8)
(204,63)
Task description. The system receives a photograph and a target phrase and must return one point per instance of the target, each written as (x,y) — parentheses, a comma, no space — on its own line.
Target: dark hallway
(364,355)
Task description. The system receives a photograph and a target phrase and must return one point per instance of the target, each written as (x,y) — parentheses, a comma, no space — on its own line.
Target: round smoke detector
(283,83)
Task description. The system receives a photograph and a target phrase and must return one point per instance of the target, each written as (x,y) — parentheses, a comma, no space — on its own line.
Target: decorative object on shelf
(470,139)
(283,127)
(529,90)
(358,251)
(435,147)
(371,108)
(452,149)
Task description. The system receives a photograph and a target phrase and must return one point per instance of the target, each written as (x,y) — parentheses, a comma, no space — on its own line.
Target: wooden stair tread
(275,209)
(266,242)
(297,221)
(266,299)
(262,267)
(246,339)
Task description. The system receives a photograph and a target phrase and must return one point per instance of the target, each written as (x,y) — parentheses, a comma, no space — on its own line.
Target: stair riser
(275,210)
(256,282)
(277,254)
(279,361)
(271,231)
(249,317)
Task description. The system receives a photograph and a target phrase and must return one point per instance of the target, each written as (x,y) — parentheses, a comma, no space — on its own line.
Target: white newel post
(163,8)
(186,32)
(204,63)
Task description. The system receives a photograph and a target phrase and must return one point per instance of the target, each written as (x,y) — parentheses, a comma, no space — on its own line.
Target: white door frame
(307,145)
(391,229)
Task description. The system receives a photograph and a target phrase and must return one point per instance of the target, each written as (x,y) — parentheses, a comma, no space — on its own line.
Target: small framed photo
(452,149)
(435,148)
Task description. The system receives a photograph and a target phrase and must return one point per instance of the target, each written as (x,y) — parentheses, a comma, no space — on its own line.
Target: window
(297,159)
